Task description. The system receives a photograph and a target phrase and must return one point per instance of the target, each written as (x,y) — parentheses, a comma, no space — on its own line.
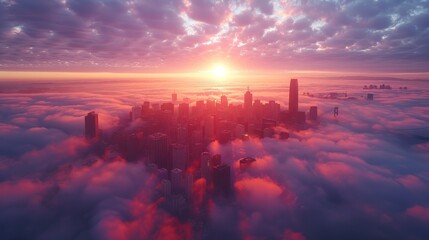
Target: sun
(219,71)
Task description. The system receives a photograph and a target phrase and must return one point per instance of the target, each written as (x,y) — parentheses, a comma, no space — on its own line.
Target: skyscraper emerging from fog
(222,180)
(91,125)
(136,112)
(180,156)
(158,150)
(313,113)
(248,98)
(205,160)
(176,180)
(293,97)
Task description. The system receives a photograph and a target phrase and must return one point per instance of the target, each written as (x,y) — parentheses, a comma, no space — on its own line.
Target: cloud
(361,175)
(147,35)
(418,212)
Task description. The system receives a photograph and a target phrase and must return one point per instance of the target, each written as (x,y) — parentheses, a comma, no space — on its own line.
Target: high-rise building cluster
(172,139)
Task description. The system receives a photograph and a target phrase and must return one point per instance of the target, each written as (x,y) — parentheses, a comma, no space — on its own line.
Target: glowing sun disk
(219,71)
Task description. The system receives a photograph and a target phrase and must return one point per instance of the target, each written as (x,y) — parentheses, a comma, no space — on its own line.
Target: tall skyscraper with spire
(293,97)
(91,125)
(248,98)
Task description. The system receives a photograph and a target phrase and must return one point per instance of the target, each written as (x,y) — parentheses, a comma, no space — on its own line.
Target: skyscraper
(180,156)
(248,99)
(222,180)
(145,109)
(91,125)
(240,130)
(136,112)
(167,106)
(209,131)
(247,105)
(182,135)
(205,159)
(293,98)
(183,111)
(158,150)
(188,182)
(166,188)
(176,180)
(210,106)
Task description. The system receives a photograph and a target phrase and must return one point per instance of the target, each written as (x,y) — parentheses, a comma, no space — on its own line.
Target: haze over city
(214,119)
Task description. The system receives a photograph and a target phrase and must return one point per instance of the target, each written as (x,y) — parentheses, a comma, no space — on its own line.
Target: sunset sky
(109,110)
(382,37)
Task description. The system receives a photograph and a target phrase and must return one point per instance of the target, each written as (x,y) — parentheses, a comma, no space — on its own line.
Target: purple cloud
(146,35)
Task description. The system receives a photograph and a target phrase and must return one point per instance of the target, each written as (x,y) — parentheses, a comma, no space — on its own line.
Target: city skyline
(172,139)
(348,158)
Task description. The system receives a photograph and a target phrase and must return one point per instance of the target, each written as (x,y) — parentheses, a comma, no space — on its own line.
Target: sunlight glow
(219,71)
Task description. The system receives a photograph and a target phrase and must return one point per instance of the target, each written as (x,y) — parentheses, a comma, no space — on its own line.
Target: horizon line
(94,75)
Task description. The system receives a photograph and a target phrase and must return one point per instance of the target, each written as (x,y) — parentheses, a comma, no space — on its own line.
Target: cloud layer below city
(362,175)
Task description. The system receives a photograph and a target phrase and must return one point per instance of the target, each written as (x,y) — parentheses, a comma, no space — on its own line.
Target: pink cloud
(292,235)
(261,192)
(418,212)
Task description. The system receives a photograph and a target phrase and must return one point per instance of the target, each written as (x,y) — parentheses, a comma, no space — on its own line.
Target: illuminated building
(91,125)
(222,180)
(136,112)
(167,107)
(188,183)
(183,111)
(210,106)
(273,110)
(225,137)
(209,133)
(293,98)
(247,107)
(162,173)
(239,131)
(158,150)
(205,161)
(182,135)
(176,180)
(145,108)
(313,113)
(166,188)
(179,154)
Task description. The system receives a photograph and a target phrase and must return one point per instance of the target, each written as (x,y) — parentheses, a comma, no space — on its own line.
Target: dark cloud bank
(355,177)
